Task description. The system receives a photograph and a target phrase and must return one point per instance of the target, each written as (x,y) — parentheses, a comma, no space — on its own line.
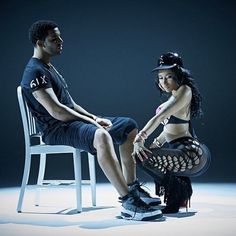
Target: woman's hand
(139,151)
(105,123)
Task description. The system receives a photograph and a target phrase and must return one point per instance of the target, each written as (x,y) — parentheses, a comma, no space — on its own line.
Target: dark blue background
(110,47)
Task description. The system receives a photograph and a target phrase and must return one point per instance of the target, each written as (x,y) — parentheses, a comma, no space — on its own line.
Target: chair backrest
(28,120)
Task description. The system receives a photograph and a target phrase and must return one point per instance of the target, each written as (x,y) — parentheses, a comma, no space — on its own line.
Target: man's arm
(48,99)
(105,123)
(81,110)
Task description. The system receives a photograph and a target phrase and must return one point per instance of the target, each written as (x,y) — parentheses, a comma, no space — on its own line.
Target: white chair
(42,150)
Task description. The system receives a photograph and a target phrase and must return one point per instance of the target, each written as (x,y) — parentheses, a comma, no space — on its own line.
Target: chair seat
(44,148)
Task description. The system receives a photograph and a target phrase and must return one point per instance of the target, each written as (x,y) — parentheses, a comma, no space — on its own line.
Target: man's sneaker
(133,208)
(143,194)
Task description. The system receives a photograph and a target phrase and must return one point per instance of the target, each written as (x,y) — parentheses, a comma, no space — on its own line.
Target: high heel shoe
(177,194)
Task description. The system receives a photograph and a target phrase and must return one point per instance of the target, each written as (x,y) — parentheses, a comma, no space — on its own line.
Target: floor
(212,212)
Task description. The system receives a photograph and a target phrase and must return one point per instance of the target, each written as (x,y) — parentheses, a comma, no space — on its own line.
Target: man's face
(52,44)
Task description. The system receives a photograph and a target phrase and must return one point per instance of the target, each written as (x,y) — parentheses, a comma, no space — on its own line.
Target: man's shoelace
(140,188)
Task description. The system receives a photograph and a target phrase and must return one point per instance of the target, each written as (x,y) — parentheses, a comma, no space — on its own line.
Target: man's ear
(40,43)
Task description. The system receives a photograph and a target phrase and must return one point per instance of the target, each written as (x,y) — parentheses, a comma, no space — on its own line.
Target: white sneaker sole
(144,216)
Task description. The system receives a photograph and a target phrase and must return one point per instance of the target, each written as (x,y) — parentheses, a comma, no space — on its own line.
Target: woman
(185,155)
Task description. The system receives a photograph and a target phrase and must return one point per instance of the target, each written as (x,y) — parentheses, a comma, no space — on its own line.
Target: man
(64,122)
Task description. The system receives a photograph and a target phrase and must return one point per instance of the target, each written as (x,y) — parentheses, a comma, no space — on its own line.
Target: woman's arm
(177,101)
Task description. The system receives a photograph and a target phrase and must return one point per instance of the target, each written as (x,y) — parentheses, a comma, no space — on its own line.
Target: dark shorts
(80,134)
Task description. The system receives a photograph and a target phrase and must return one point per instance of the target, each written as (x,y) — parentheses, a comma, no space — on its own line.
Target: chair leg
(92,174)
(78,179)
(24,180)
(42,165)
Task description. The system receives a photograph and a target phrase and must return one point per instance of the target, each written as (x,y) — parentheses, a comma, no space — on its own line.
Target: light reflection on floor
(212,212)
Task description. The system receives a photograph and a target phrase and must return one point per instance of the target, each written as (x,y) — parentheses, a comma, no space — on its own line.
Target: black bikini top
(172,119)
(176,120)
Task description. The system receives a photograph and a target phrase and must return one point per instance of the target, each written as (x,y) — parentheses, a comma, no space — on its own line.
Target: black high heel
(178,192)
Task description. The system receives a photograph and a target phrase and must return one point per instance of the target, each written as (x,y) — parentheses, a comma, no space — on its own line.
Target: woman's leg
(171,167)
(185,158)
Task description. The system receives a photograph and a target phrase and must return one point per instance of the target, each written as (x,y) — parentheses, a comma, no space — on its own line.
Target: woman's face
(167,80)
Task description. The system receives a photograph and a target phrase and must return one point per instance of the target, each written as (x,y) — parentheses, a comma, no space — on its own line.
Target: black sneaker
(143,194)
(133,208)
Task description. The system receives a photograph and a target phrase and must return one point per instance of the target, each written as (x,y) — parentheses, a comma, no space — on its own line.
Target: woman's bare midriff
(174,131)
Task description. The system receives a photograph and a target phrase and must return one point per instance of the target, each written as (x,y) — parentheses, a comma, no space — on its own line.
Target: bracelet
(140,137)
(94,117)
(143,134)
(157,143)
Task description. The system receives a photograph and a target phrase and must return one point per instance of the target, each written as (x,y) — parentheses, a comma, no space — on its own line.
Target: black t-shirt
(38,75)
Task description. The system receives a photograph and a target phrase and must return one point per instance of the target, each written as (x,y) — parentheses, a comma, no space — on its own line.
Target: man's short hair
(39,30)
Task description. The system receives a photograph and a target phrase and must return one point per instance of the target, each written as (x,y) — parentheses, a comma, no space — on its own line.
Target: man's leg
(108,161)
(123,132)
(92,139)
(127,162)
(132,206)
(129,169)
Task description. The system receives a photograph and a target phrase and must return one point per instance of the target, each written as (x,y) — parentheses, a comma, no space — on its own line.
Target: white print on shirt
(38,81)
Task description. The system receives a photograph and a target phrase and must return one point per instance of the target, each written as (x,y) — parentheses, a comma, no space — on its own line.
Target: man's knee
(131,124)
(131,129)
(101,138)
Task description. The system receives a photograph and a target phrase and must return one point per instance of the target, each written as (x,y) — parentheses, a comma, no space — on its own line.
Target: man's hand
(105,123)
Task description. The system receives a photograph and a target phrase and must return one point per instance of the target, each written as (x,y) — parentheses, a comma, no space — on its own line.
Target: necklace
(55,71)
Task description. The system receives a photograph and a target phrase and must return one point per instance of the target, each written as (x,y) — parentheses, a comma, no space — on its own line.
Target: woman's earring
(161,87)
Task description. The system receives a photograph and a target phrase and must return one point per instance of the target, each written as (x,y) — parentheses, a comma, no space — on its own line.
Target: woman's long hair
(184,76)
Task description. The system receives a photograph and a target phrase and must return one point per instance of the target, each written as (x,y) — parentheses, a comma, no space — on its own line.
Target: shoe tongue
(134,192)
(124,197)
(136,182)
(134,186)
